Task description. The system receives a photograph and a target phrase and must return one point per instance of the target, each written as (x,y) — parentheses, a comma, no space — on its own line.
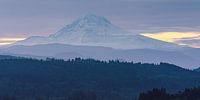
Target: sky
(174,21)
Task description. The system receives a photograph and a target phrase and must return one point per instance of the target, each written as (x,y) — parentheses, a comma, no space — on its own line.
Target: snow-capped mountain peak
(88,24)
(95,30)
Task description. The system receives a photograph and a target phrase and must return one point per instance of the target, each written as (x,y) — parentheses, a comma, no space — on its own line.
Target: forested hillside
(52,79)
(8,57)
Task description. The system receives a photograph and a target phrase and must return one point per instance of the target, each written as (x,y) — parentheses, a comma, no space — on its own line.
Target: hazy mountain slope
(104,53)
(193,52)
(98,31)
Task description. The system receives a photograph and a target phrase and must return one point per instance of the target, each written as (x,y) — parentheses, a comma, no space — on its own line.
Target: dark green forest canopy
(161,94)
(25,79)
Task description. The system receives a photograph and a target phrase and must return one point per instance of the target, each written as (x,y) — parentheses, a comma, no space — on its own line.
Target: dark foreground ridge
(161,94)
(52,79)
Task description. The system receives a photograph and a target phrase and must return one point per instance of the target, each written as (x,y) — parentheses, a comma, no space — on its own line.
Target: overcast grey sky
(23,18)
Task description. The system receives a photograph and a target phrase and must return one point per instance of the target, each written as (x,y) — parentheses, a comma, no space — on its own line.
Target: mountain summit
(95,30)
(88,23)
(89,28)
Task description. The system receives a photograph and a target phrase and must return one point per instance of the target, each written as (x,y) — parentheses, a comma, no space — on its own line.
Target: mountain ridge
(66,51)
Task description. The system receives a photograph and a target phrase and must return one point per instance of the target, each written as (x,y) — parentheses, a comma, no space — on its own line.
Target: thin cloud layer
(192,42)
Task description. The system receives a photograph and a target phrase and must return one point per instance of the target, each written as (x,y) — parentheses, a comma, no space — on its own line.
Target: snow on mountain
(94,30)
(89,25)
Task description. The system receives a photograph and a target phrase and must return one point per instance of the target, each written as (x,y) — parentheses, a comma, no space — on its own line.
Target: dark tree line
(161,94)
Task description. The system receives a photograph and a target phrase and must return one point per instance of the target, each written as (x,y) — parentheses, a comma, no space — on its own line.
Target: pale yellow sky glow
(172,36)
(11,39)
(7,41)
